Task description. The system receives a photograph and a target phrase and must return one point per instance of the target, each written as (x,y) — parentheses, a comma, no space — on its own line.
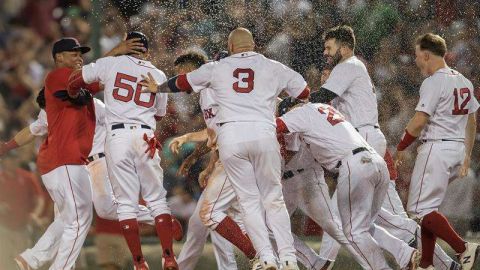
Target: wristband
(407,139)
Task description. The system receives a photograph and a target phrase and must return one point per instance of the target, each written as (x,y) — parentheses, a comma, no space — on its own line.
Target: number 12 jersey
(447,96)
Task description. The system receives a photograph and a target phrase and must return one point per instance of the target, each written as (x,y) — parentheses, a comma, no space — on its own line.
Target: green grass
(207,261)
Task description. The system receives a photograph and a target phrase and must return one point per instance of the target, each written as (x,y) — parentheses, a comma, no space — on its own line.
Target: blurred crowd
(289,31)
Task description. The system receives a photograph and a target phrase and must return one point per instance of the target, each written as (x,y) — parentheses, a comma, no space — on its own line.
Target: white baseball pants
(133,173)
(250,153)
(70,189)
(196,238)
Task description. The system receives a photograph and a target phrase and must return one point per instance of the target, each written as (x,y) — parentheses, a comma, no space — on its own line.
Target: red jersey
(70,127)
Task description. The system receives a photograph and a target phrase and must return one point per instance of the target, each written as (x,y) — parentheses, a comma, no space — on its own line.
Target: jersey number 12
(124,81)
(460,110)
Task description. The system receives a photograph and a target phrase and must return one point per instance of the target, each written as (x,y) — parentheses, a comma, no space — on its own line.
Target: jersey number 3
(245,78)
(460,110)
(121,83)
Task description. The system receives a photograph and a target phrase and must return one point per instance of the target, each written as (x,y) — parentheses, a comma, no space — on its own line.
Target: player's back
(357,100)
(447,96)
(246,86)
(124,101)
(324,129)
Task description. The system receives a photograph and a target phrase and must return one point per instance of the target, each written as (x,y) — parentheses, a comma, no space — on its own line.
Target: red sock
(132,236)
(438,224)
(230,231)
(163,225)
(428,247)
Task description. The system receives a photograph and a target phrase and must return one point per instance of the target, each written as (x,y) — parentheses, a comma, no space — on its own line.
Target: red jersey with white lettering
(70,127)
(124,101)
(447,96)
(329,137)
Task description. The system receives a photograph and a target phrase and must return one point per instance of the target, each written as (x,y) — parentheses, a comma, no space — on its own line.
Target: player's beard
(336,58)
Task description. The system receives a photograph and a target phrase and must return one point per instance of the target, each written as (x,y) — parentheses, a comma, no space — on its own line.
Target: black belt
(443,140)
(354,152)
(377,127)
(292,173)
(96,156)
(118,126)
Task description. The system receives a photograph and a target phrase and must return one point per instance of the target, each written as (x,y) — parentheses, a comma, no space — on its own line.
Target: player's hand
(176,143)
(153,145)
(212,138)
(399,159)
(131,46)
(203,177)
(463,171)
(151,86)
(186,165)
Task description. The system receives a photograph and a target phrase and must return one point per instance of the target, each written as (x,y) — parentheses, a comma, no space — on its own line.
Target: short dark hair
(343,34)
(195,58)
(432,43)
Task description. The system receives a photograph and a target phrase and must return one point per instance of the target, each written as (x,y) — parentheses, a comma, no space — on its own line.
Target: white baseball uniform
(211,208)
(304,188)
(102,194)
(363,175)
(447,97)
(246,86)
(351,82)
(129,114)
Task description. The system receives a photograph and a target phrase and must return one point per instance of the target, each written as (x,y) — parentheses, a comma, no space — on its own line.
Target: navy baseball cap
(143,38)
(68,45)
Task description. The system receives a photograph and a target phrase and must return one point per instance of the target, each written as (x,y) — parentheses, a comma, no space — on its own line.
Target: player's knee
(209,217)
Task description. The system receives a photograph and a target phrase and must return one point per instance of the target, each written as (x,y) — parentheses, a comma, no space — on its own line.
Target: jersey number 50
(121,84)
(245,78)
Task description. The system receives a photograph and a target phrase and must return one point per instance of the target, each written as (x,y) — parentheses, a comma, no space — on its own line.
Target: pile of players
(248,195)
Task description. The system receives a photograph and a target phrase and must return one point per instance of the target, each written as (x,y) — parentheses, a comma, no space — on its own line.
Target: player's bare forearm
(417,123)
(24,136)
(198,136)
(200,150)
(213,159)
(470,132)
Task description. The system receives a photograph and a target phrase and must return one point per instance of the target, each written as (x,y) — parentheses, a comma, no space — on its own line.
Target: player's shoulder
(58,73)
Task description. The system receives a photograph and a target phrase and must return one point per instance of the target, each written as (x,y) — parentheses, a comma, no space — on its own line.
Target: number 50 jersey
(246,86)
(124,100)
(447,96)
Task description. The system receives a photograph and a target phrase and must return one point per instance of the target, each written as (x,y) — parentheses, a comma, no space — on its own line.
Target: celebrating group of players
(105,155)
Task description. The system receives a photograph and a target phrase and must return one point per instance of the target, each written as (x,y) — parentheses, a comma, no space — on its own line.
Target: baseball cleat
(22,264)
(288,265)
(256,264)
(455,266)
(269,265)
(169,263)
(177,230)
(469,256)
(141,266)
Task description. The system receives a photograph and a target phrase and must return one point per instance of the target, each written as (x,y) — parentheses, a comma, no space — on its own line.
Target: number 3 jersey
(246,86)
(447,96)
(124,101)
(328,136)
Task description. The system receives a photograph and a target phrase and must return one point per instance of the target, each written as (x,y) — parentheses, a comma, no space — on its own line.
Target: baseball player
(246,85)
(103,199)
(445,123)
(363,175)
(392,216)
(130,119)
(218,195)
(61,156)
(301,194)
